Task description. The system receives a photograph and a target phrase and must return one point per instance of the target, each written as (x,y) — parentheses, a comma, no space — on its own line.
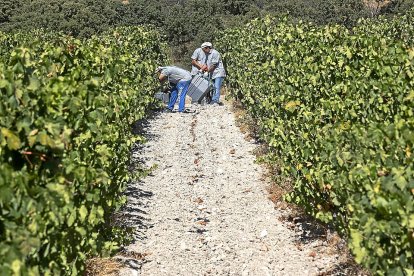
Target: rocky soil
(204,208)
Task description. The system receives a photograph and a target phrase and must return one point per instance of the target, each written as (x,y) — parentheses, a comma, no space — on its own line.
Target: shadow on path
(133,214)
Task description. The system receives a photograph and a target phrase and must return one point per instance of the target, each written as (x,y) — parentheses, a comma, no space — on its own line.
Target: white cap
(159,68)
(206,44)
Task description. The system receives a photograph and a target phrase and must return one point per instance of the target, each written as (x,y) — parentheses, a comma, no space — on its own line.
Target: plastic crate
(164,97)
(198,88)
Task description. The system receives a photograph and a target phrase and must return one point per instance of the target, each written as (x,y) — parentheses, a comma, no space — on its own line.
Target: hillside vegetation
(185,23)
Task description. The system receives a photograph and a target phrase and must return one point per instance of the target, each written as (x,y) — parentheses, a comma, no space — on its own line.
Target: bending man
(180,79)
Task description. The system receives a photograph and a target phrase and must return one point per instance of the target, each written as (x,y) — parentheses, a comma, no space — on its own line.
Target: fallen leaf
(202,222)
(264,247)
(198,200)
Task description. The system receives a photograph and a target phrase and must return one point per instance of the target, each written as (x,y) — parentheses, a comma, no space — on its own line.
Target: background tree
(185,23)
(392,7)
(7,9)
(77,17)
(345,12)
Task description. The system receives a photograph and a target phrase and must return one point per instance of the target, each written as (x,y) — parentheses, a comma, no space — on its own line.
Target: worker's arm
(200,66)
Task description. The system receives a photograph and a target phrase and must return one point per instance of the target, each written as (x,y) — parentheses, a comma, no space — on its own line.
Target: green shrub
(336,108)
(66,111)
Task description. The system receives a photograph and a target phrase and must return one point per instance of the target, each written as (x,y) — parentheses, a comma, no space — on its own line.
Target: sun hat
(206,44)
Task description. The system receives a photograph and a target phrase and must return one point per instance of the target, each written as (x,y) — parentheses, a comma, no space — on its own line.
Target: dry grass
(112,266)
(246,123)
(102,266)
(376,3)
(276,194)
(374,6)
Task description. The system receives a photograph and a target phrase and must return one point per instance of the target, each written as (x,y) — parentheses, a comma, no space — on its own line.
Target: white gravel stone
(205,208)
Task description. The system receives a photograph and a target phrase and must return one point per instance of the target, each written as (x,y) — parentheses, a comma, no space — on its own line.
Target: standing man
(208,60)
(180,79)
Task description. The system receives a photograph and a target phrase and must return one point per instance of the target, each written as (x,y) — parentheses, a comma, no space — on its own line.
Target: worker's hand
(204,67)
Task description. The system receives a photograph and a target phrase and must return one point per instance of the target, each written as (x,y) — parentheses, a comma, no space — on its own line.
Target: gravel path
(204,210)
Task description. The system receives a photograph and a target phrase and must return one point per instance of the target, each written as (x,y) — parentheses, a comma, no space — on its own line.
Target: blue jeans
(179,90)
(217,85)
